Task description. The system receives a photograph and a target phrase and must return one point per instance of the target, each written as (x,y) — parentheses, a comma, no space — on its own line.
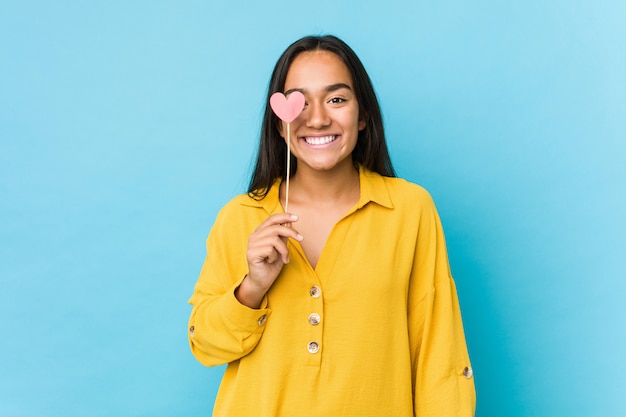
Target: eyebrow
(328,89)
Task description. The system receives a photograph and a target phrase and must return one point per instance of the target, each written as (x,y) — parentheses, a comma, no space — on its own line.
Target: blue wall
(125,126)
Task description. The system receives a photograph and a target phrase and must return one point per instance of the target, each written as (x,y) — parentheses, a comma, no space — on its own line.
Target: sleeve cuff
(242,317)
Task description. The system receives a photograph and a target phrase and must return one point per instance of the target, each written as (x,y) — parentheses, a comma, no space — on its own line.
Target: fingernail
(294,217)
(299,236)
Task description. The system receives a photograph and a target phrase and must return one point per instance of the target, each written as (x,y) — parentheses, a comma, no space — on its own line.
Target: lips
(319,140)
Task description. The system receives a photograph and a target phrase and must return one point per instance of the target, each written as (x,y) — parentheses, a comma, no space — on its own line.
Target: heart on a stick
(287,108)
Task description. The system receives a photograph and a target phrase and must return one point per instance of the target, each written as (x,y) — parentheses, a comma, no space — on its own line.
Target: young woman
(344,306)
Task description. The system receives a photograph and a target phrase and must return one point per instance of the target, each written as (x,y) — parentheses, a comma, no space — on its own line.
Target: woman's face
(324,135)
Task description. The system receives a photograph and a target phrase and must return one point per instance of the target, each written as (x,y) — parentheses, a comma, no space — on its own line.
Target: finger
(273,257)
(286,231)
(279,218)
(270,248)
(276,230)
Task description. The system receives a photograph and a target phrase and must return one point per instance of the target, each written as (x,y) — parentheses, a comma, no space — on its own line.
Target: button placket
(314,325)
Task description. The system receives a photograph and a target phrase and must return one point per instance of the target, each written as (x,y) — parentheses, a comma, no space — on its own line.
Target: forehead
(317,69)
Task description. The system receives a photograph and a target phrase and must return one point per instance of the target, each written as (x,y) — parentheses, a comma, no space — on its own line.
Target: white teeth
(320,140)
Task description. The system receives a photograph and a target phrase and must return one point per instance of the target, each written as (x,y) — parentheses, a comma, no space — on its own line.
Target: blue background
(126,125)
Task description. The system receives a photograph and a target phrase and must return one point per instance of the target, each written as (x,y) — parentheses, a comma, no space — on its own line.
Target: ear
(362,123)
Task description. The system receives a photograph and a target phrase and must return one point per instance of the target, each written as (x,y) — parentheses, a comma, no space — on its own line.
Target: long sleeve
(442,373)
(221,329)
(373,330)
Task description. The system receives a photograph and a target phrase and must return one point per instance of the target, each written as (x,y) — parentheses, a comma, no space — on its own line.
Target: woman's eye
(337,100)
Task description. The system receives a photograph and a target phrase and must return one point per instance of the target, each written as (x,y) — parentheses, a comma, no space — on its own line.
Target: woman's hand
(267,253)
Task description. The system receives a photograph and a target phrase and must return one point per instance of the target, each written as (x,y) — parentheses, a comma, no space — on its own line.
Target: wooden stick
(288,168)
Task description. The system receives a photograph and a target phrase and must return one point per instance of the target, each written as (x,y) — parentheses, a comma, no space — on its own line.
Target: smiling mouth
(320,140)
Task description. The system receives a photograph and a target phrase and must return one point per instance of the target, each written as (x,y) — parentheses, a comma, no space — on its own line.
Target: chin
(327,165)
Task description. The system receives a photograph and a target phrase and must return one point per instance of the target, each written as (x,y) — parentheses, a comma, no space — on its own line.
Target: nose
(317,115)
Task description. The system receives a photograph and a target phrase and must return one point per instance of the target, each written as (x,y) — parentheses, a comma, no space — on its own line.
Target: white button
(261,320)
(313,347)
(191,329)
(315,292)
(314,319)
(467,372)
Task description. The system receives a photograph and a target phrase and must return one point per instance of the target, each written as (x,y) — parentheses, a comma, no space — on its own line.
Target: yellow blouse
(374,330)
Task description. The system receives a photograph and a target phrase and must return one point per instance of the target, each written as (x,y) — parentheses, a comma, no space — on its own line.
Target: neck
(320,187)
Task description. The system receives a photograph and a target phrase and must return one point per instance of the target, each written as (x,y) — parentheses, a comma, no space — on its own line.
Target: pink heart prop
(287,108)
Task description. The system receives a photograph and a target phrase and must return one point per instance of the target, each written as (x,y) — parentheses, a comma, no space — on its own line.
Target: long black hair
(371,147)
